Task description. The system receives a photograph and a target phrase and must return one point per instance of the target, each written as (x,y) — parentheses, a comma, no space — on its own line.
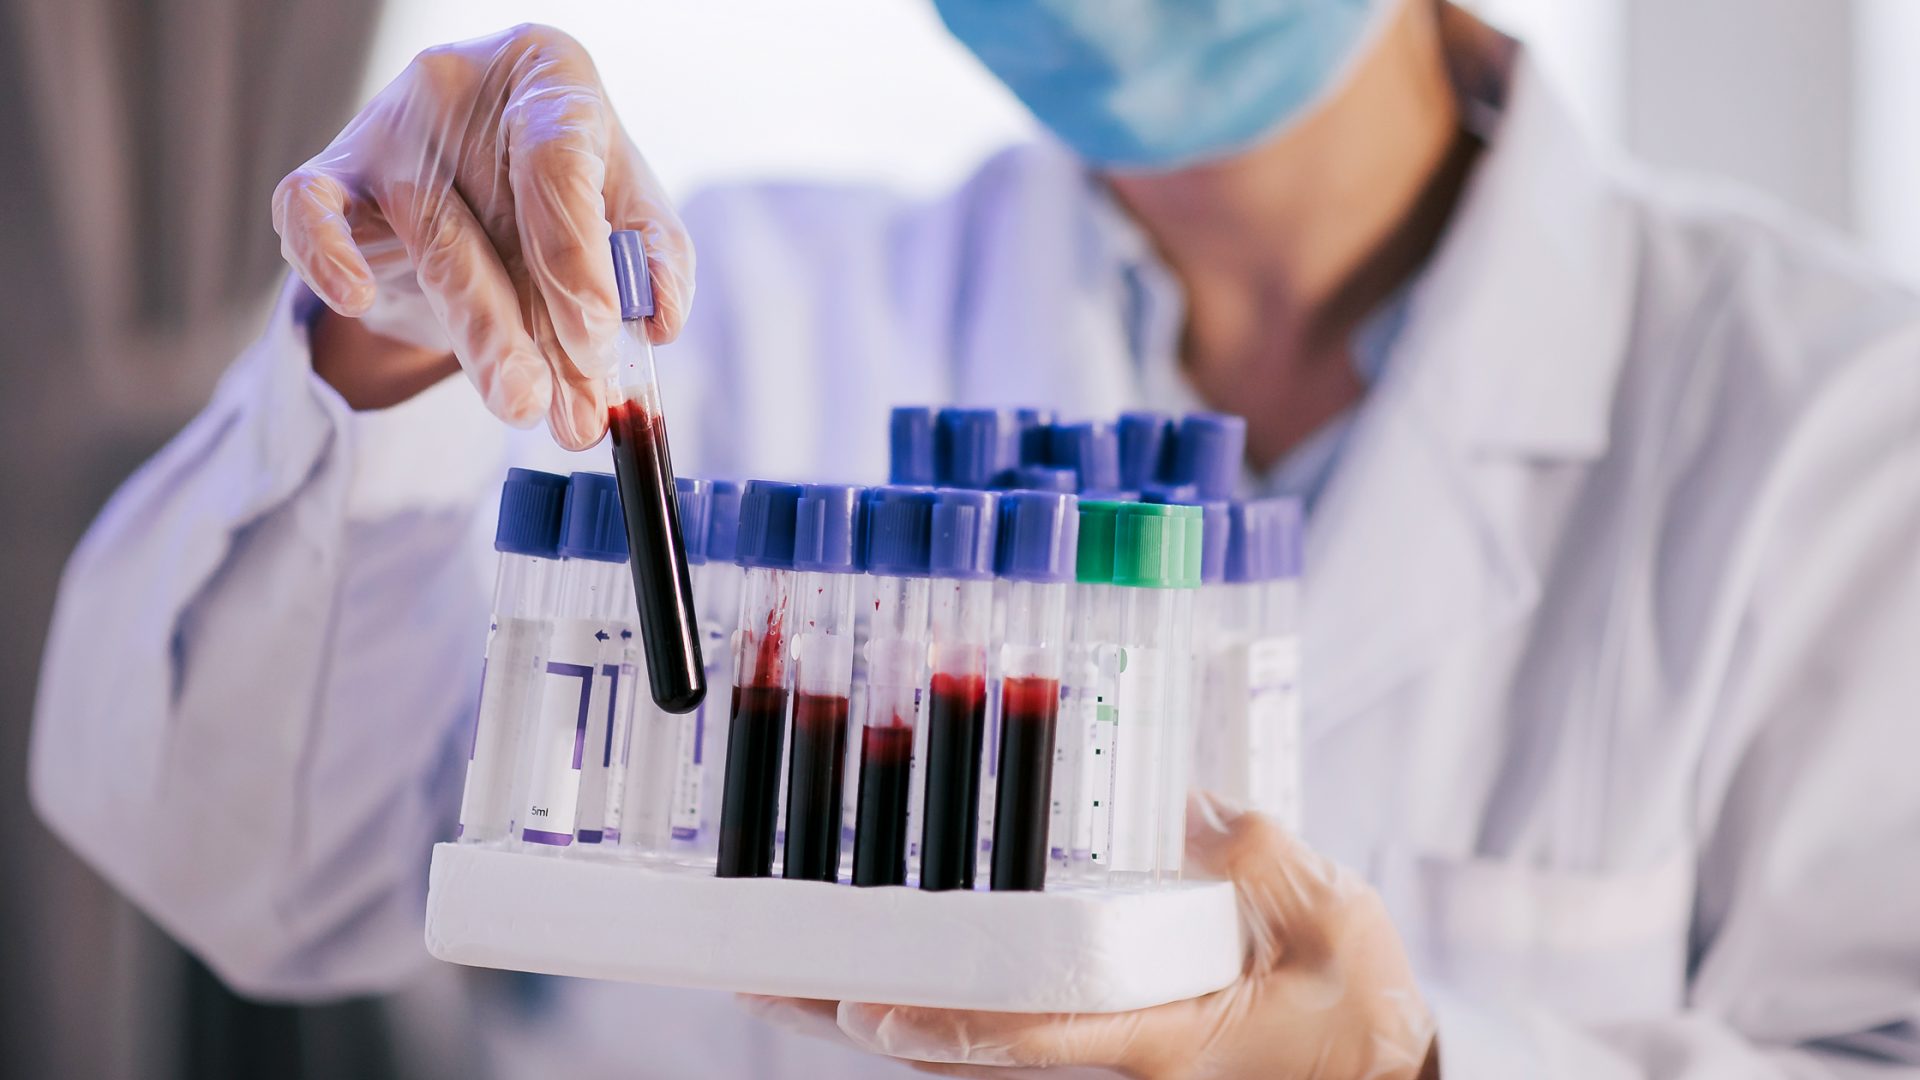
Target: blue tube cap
(1035,425)
(1265,540)
(767,518)
(595,529)
(696,510)
(1092,449)
(910,445)
(532,512)
(898,531)
(722,540)
(1209,452)
(1171,494)
(827,528)
(1039,536)
(1146,439)
(973,447)
(962,539)
(1042,478)
(630,276)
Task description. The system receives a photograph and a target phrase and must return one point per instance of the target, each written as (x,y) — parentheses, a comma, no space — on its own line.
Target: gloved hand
(468,207)
(1326,991)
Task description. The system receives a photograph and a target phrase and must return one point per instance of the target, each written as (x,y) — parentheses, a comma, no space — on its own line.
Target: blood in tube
(1029,712)
(813,787)
(756,733)
(880,830)
(956,729)
(661,583)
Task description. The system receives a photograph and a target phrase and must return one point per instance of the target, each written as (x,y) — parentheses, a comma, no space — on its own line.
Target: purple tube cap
(1265,540)
(897,533)
(532,513)
(910,445)
(1146,437)
(630,276)
(1042,478)
(594,528)
(973,447)
(1209,452)
(1039,536)
(962,537)
(1092,449)
(723,521)
(767,520)
(827,528)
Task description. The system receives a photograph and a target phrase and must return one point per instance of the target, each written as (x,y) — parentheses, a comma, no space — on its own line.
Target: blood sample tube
(662,587)
(610,723)
(1254,673)
(1083,757)
(1090,448)
(1146,448)
(960,608)
(1209,452)
(575,687)
(974,448)
(1037,550)
(827,527)
(896,544)
(910,445)
(527,537)
(1149,567)
(757,721)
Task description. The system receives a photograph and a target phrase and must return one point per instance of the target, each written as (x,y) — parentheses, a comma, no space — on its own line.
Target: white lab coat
(1612,617)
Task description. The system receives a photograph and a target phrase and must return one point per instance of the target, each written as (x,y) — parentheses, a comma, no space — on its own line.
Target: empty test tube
(527,537)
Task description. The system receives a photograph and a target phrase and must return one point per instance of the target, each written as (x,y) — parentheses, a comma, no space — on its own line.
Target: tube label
(690,764)
(1273,728)
(1133,838)
(602,767)
(559,743)
(515,655)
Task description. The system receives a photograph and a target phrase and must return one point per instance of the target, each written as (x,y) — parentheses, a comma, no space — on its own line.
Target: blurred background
(143,140)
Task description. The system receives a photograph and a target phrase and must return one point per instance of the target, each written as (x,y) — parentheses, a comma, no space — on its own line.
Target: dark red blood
(956,733)
(1029,713)
(751,794)
(814,784)
(658,557)
(880,815)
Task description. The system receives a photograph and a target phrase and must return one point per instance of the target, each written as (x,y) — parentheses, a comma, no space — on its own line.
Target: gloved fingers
(1129,1040)
(577,415)
(310,214)
(1285,888)
(636,200)
(468,290)
(555,131)
(802,1016)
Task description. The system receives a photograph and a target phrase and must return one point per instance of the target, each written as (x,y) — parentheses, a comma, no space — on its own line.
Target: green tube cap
(1093,562)
(1150,542)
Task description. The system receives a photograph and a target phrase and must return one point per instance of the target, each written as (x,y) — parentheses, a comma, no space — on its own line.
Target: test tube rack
(1072,948)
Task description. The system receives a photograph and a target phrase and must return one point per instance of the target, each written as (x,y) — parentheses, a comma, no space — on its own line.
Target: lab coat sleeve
(260,656)
(1806,937)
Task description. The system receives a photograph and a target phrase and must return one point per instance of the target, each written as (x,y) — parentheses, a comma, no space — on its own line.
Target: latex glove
(468,207)
(1326,991)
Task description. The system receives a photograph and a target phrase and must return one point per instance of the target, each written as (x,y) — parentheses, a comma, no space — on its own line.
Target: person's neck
(1284,250)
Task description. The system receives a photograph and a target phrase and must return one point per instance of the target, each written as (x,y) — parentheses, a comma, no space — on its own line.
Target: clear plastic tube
(657,552)
(1144,688)
(962,614)
(1272,708)
(584,640)
(610,721)
(823,645)
(896,674)
(516,654)
(1030,668)
(1083,771)
(756,724)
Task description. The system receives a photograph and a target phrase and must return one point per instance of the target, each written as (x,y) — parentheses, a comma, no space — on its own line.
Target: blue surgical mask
(1158,84)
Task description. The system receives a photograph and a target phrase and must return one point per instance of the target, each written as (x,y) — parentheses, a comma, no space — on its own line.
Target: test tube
(527,536)
(1209,453)
(827,526)
(1150,569)
(695,838)
(896,545)
(1083,751)
(575,687)
(662,587)
(610,722)
(1257,675)
(960,564)
(910,445)
(1146,448)
(974,448)
(1037,550)
(1092,449)
(756,725)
